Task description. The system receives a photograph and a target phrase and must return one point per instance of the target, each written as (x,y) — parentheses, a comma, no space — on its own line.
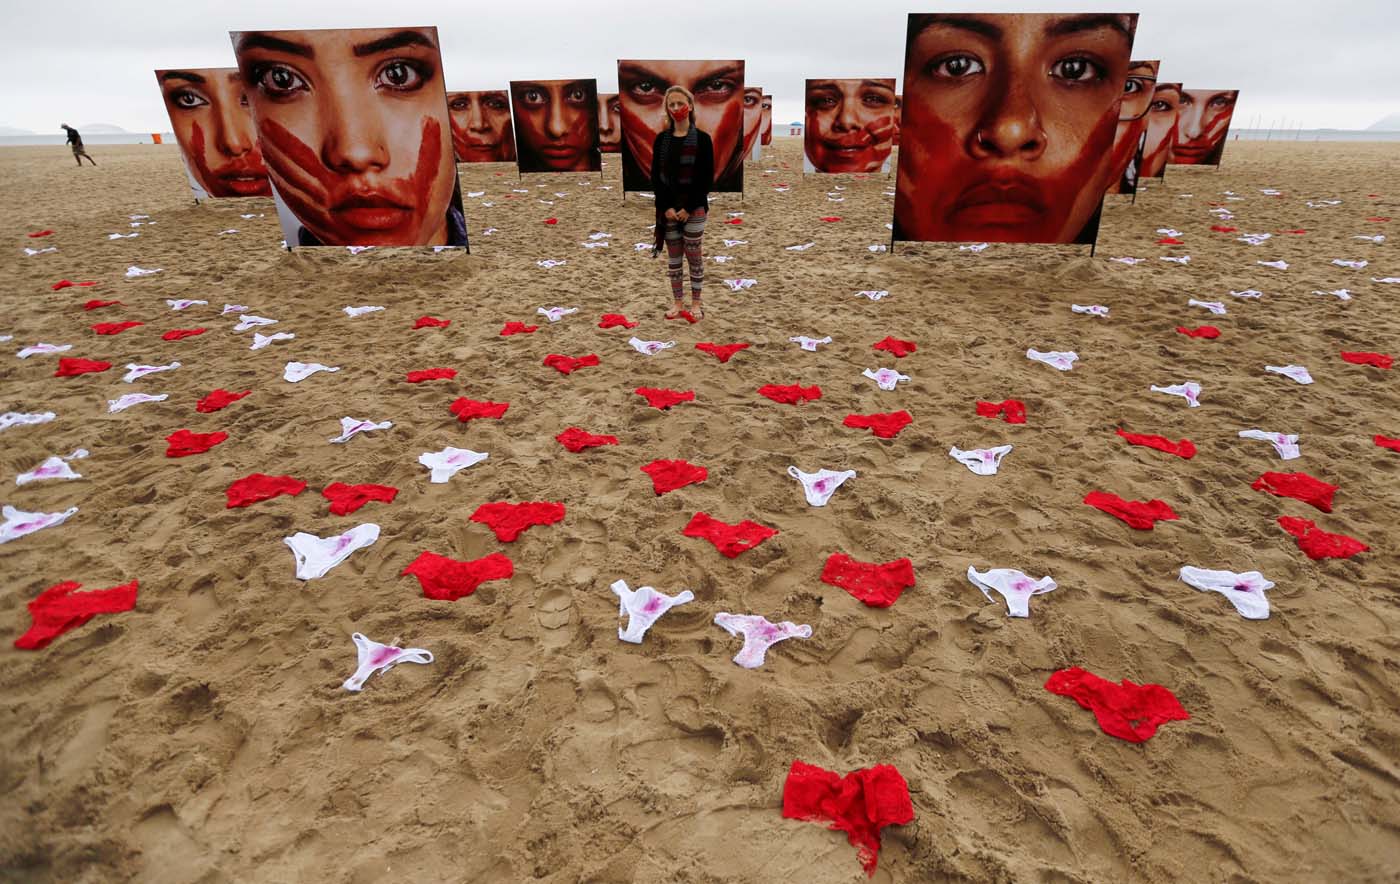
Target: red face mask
(681,112)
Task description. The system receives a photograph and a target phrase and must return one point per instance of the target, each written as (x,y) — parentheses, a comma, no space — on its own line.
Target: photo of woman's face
(1008,124)
(1201,126)
(353,125)
(556,122)
(851,124)
(718,87)
(1132,118)
(753,118)
(1161,130)
(767,121)
(609,122)
(211,120)
(481,130)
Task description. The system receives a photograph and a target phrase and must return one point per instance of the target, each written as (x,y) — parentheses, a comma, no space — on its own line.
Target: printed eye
(576,95)
(822,102)
(1221,101)
(459,104)
(750,100)
(1159,106)
(497,103)
(955,67)
(1134,86)
(716,88)
(532,96)
(279,81)
(614,106)
(400,76)
(188,99)
(876,99)
(1077,69)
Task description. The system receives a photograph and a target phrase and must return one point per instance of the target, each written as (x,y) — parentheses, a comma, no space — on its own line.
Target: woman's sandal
(676,313)
(697,308)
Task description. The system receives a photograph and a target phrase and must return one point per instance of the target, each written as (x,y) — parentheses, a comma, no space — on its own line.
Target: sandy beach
(205,737)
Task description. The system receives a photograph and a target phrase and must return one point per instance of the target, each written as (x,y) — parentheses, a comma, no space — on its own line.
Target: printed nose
(354,140)
(1010,128)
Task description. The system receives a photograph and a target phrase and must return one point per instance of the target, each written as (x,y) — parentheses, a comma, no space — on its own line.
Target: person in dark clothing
(76,140)
(682,173)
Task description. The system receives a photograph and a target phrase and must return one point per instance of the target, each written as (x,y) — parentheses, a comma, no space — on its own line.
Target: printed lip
(560,151)
(1193,149)
(1007,200)
(244,179)
(372,210)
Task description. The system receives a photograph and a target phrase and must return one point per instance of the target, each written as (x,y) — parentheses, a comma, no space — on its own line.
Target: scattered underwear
(1204,331)
(809,344)
(431,374)
(510,520)
(650,348)
(643,608)
(1379,360)
(39,233)
(819,486)
(218,399)
(250,321)
(1140,514)
(257,487)
(32,252)
(41,348)
(1319,544)
(873,295)
(315,556)
(611,320)
(233,308)
(300,371)
(731,243)
(61,607)
(1248,293)
(790,394)
(1062,360)
(443,465)
(577,440)
(1285,444)
(1190,391)
(1013,411)
(664,399)
(355,250)
(1295,372)
(517,328)
(135,372)
(183,443)
(1182,448)
(345,499)
(361,311)
(1386,442)
(668,475)
(180,334)
(1170,241)
(973,247)
(261,340)
(885,378)
(351,427)
(569,364)
(1339,294)
(550,262)
(19,523)
(447,580)
(114,328)
(1299,486)
(722,352)
(759,634)
(54,467)
(374,657)
(1126,710)
(1354,265)
(730,540)
(554,314)
(737,285)
(1277,265)
(1129,261)
(1184,259)
(899,348)
(431,322)
(97,304)
(1014,586)
(469,409)
(982,461)
(884,425)
(71,366)
(1091,309)
(1245,591)
(859,804)
(184,303)
(130,399)
(874,584)
(1389,280)
(134,271)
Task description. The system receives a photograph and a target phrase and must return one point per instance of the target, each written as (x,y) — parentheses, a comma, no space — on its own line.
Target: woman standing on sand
(682,172)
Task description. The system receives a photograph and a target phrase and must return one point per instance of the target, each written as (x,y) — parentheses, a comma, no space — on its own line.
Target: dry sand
(205,737)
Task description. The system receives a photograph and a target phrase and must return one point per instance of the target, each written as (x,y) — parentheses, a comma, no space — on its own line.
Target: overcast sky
(1319,63)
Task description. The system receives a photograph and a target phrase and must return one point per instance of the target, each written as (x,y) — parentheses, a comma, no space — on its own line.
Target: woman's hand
(682,215)
(671,215)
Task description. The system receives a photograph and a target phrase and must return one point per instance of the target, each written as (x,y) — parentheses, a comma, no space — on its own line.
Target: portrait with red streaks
(1202,124)
(481,131)
(753,121)
(354,128)
(211,120)
(767,122)
(1160,132)
(850,125)
(556,125)
(609,122)
(1132,125)
(718,87)
(1007,125)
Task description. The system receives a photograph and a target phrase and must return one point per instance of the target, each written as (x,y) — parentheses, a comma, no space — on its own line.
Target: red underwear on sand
(664,399)
(1379,360)
(95,304)
(1127,711)
(668,475)
(1319,544)
(114,328)
(218,399)
(68,283)
(576,440)
(886,426)
(611,320)
(509,520)
(69,367)
(258,487)
(1141,514)
(722,352)
(1013,411)
(467,409)
(517,328)
(183,443)
(345,499)
(1299,486)
(877,585)
(1386,442)
(730,540)
(1182,448)
(791,394)
(899,348)
(447,579)
(431,374)
(177,334)
(61,608)
(859,804)
(567,364)
(431,322)
(1204,331)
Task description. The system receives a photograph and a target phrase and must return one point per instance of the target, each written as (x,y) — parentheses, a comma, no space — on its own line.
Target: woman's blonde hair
(689,99)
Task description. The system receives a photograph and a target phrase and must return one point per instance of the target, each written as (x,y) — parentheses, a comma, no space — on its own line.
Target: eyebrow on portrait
(962,23)
(876,84)
(187,76)
(396,40)
(274,44)
(1078,24)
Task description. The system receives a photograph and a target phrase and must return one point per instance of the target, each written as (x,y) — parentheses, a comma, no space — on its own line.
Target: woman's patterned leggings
(689,234)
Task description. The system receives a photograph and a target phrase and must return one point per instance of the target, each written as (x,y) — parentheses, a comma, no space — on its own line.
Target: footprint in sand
(555,609)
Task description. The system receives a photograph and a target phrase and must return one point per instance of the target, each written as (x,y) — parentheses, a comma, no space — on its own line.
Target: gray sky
(1319,63)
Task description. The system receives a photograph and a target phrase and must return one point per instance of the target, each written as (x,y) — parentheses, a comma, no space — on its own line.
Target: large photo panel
(353,125)
(1203,122)
(767,122)
(481,131)
(718,87)
(556,125)
(1132,125)
(1007,125)
(210,118)
(1160,133)
(609,122)
(753,121)
(850,125)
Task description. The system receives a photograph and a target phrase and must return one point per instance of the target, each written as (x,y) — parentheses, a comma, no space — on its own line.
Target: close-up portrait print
(353,125)
(1007,125)
(753,121)
(850,125)
(481,131)
(767,121)
(1132,125)
(1160,132)
(718,87)
(211,120)
(556,125)
(609,122)
(1202,123)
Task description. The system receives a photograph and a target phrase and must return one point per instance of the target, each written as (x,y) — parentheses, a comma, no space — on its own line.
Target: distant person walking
(75,139)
